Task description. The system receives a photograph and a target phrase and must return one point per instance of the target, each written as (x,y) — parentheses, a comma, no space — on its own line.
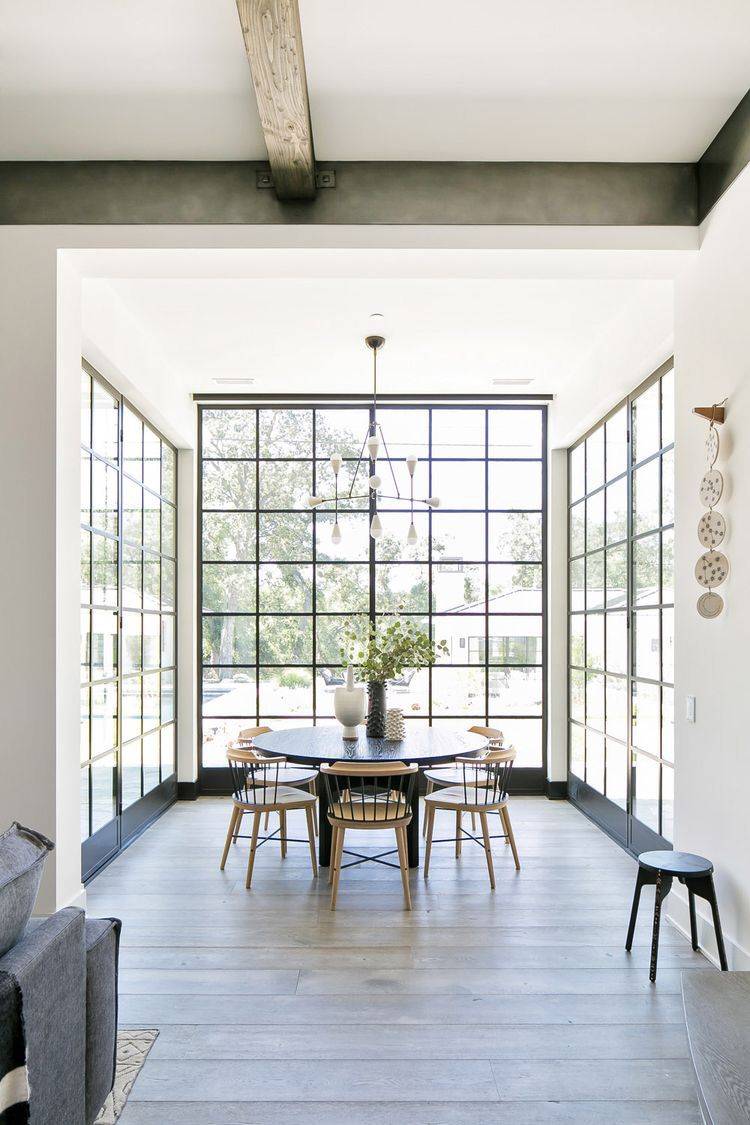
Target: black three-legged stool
(695,873)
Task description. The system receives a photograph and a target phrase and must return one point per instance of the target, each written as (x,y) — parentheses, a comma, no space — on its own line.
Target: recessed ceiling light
(233,382)
(512,382)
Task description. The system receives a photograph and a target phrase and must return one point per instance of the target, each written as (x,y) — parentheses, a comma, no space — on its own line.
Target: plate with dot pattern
(712,528)
(712,446)
(712,569)
(712,486)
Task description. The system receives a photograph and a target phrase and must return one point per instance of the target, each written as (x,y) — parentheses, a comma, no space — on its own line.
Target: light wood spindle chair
(483,789)
(452,774)
(369,796)
(301,776)
(258,790)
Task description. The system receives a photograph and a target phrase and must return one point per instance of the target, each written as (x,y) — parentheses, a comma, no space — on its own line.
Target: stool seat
(676,863)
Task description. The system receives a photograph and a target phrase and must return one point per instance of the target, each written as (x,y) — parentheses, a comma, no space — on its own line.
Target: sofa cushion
(102,940)
(22,856)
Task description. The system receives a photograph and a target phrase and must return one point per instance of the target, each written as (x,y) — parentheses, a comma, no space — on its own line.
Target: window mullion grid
(430,616)
(257,566)
(314,573)
(630,524)
(486,570)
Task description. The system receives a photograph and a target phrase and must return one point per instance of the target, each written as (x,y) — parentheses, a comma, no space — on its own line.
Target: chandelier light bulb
(376,527)
(336,463)
(373,447)
(313,501)
(411,464)
(336,533)
(375,482)
(433,501)
(376,325)
(411,536)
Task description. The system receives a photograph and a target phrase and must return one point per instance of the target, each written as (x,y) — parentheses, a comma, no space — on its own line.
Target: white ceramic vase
(349,705)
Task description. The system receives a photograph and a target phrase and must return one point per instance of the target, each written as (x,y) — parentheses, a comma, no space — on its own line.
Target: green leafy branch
(384,651)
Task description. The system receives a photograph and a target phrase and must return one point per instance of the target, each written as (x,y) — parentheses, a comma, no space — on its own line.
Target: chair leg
(332,862)
(505,816)
(238,825)
(311,837)
(473,822)
(282,834)
(717,927)
(639,883)
(340,835)
(655,932)
(487,848)
(458,834)
(430,824)
(430,787)
(693,921)
(253,846)
(403,859)
(267,821)
(230,836)
(313,790)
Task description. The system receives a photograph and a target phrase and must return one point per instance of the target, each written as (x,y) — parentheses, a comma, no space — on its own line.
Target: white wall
(712,359)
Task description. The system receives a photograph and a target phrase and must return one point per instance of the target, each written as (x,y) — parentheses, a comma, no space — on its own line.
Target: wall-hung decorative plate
(712,445)
(711,488)
(712,528)
(710,605)
(712,569)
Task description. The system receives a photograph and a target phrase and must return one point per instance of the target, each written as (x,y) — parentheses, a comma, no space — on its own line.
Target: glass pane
(151,756)
(168,543)
(577,642)
(85,408)
(458,536)
(406,431)
(459,484)
(354,545)
(667,566)
(285,640)
(168,472)
(131,641)
(167,697)
(285,691)
(287,484)
(515,536)
(342,588)
(595,459)
(595,521)
(167,584)
(106,414)
(577,472)
(515,588)
(85,487)
(285,537)
(167,641)
(595,640)
(152,567)
(229,691)
(85,658)
(578,528)
(523,734)
(228,536)
(577,696)
(285,589)
(458,588)
(401,587)
(132,576)
(595,581)
(103,788)
(646,423)
(85,567)
(667,645)
(151,695)
(667,497)
(218,733)
(342,432)
(131,773)
(617,642)
(595,760)
(515,691)
(515,433)
(228,485)
(617,510)
(132,443)
(617,576)
(228,640)
(617,773)
(229,587)
(84,797)
(646,791)
(85,715)
(577,571)
(328,633)
(103,718)
(167,751)
(617,443)
(515,484)
(577,751)
(104,496)
(151,521)
(151,459)
(285,433)
(393,546)
(646,570)
(132,707)
(617,707)
(595,700)
(458,433)
(646,643)
(151,640)
(464,637)
(104,571)
(132,511)
(352,484)
(457,691)
(646,717)
(103,644)
(228,433)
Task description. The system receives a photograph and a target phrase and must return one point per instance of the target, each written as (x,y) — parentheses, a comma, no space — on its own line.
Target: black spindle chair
(258,788)
(369,796)
(482,789)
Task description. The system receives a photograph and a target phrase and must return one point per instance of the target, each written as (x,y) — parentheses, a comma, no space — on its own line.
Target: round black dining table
(424,746)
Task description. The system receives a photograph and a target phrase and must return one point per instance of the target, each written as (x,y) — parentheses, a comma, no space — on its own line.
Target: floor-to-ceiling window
(128,549)
(275,590)
(621,622)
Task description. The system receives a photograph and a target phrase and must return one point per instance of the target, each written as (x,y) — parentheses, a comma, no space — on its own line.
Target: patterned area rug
(133,1046)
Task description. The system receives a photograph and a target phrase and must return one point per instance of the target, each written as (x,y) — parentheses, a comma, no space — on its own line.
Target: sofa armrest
(102,939)
(49,964)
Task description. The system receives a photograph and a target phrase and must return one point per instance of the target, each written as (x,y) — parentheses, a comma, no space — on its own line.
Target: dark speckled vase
(376,709)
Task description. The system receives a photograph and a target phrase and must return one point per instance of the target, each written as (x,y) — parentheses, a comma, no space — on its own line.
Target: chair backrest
(370,792)
(249,733)
(487,776)
(492,734)
(252,771)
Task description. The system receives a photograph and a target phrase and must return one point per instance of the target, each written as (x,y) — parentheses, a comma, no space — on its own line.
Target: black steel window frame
(100,846)
(621,823)
(526,779)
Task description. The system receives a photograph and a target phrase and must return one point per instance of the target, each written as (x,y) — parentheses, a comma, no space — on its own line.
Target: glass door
(128,550)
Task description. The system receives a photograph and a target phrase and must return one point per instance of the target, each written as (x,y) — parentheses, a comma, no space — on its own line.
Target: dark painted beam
(398,193)
(724,158)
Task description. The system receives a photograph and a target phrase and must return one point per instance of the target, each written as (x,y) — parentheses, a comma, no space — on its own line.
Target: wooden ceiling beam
(273,41)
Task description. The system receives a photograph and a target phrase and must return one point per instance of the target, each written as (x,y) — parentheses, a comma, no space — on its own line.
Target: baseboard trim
(556,790)
(678,914)
(188,791)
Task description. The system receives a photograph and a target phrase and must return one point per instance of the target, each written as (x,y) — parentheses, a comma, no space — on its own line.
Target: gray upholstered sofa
(62,971)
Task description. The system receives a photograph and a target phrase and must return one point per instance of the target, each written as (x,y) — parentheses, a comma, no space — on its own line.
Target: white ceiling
(426,79)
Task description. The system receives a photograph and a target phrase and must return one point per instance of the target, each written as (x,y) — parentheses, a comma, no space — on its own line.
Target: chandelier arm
(359,462)
(390,463)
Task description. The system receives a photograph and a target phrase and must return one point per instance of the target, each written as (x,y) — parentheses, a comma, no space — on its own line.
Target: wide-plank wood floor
(477,1007)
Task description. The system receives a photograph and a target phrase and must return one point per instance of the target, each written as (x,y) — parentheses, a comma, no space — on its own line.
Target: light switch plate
(690,708)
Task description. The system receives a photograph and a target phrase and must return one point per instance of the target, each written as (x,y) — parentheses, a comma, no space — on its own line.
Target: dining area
(365,784)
